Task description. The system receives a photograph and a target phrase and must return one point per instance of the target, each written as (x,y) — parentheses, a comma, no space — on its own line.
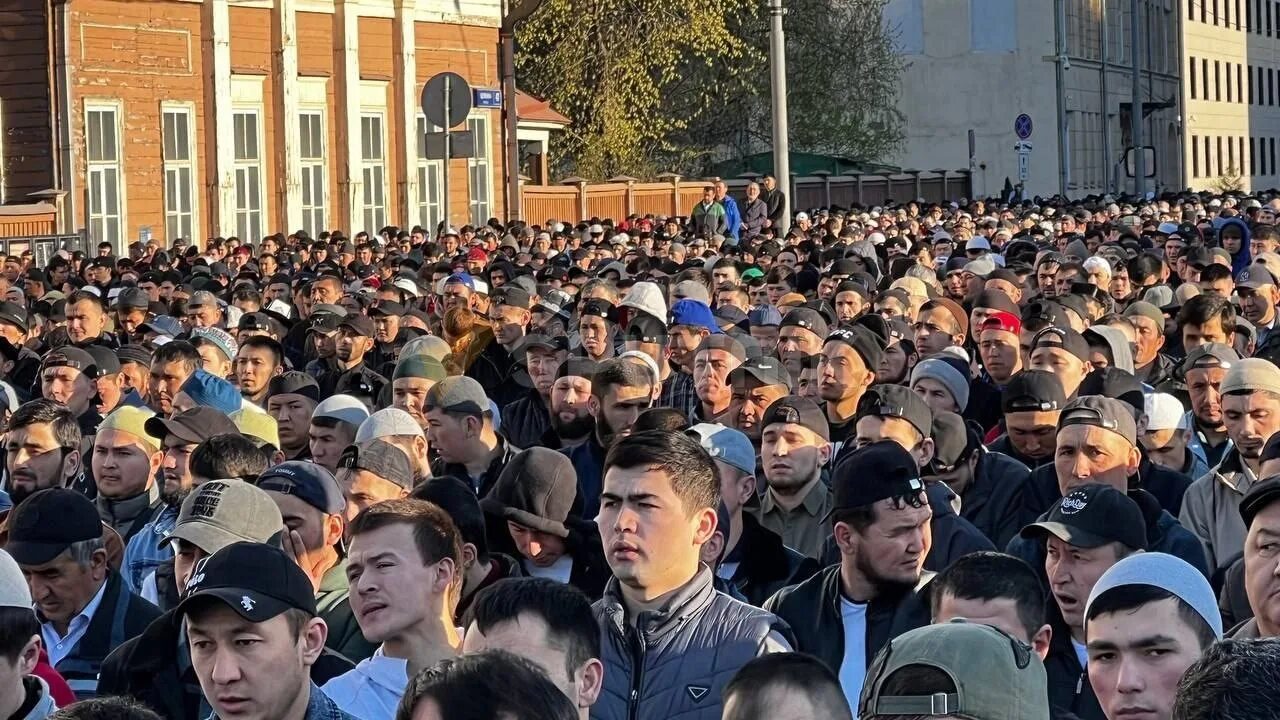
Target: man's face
(409,394)
(894,364)
(456,295)
(842,374)
(1251,420)
(203,316)
(1262,569)
(255,366)
(1001,355)
(1193,336)
(327,444)
(1069,369)
(1150,338)
(1204,387)
(651,540)
(542,549)
(35,460)
(617,409)
(1046,279)
(318,531)
(528,636)
(848,305)
(448,434)
(1221,287)
(711,370)
(794,343)
(253,671)
(935,331)
(351,345)
(1089,454)
(543,364)
(1136,659)
(293,417)
(791,456)
(68,386)
(1258,306)
(165,381)
(1167,448)
(394,592)
(215,363)
(571,406)
(175,468)
(84,321)
(750,400)
(509,323)
(1000,613)
(890,308)
(1072,572)
(327,290)
(362,488)
(62,587)
(122,466)
(130,318)
(891,550)
(767,337)
(595,335)
(386,327)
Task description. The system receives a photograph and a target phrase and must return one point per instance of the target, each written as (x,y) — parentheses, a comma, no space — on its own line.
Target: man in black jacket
(527,419)
(846,613)
(1031,402)
(990,485)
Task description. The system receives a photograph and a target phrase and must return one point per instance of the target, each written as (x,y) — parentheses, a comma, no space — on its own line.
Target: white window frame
(177,221)
(430,202)
(99,170)
(480,195)
(315,213)
(250,221)
(373,172)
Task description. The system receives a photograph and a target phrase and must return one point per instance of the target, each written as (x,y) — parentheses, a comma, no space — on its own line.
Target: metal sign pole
(444,175)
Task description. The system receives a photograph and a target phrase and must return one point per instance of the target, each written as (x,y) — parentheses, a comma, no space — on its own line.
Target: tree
(634,76)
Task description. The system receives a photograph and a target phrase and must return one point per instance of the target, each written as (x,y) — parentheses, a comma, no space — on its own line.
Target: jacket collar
(684,602)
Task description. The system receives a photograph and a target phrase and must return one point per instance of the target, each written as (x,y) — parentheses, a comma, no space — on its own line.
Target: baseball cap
(808,319)
(796,410)
(362,325)
(419,366)
(1091,516)
(219,338)
(307,481)
(694,314)
(459,394)
(14,591)
(388,422)
(48,522)
(1258,497)
(221,512)
(1164,412)
(72,357)
(1141,308)
(864,341)
(380,458)
(896,401)
(875,472)
(764,316)
(1166,572)
(1064,339)
(387,307)
(1103,412)
(14,314)
(645,328)
(166,325)
(1211,355)
(1256,276)
(105,360)
(294,383)
(132,420)
(191,426)
(727,444)
(537,488)
(256,580)
(342,408)
(951,442)
(727,343)
(1251,374)
(996,677)
(764,370)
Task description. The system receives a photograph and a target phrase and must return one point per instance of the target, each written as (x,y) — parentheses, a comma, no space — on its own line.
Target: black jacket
(812,610)
(993,502)
(1069,688)
(953,536)
(765,564)
(1167,486)
(1004,446)
(359,381)
(525,420)
(147,669)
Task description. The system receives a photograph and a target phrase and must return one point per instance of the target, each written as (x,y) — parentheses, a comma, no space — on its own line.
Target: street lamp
(778,89)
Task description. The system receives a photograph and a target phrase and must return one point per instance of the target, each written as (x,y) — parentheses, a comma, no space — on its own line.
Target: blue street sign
(1021,126)
(487,98)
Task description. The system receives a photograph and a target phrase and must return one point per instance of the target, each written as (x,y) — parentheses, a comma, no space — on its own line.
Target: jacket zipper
(637,647)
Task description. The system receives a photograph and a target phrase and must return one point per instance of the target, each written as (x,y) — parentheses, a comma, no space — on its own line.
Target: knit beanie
(946,370)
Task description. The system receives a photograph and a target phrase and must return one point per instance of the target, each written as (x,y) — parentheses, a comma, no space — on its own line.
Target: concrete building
(1231,64)
(974,66)
(196,118)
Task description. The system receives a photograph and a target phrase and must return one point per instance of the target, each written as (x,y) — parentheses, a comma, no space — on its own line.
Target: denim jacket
(146,550)
(319,707)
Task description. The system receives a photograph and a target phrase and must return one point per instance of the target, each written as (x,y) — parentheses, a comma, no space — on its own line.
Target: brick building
(197,118)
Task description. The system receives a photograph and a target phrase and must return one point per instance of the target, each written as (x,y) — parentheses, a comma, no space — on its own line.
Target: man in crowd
(333,427)
(125,463)
(794,449)
(460,428)
(291,399)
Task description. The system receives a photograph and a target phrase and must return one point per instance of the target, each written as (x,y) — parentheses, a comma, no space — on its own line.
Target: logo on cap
(789,415)
(247,603)
(206,504)
(197,575)
(1074,503)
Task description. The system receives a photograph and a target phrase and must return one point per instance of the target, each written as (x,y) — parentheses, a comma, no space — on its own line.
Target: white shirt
(853,669)
(60,647)
(373,689)
(560,570)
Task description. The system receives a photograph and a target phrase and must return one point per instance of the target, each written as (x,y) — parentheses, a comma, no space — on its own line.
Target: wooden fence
(575,199)
(28,220)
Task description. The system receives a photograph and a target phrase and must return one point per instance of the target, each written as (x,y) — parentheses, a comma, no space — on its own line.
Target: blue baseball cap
(764,316)
(695,314)
(164,325)
(727,444)
(311,483)
(461,278)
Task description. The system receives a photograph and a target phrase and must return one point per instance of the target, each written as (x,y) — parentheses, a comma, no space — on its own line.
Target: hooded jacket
(1243,258)
(993,501)
(647,297)
(1121,355)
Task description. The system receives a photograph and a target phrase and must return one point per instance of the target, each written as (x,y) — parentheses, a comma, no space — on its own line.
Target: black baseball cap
(311,483)
(764,370)
(873,473)
(1091,516)
(896,401)
(1033,391)
(133,297)
(380,458)
(256,580)
(1063,338)
(513,296)
(72,357)
(387,307)
(1103,412)
(192,426)
(645,328)
(14,314)
(48,522)
(105,360)
(361,324)
(807,318)
(796,410)
(1261,494)
(294,382)
(864,341)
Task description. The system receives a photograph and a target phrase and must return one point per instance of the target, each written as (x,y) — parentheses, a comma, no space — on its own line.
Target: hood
(1078,248)
(647,297)
(1240,260)
(1121,354)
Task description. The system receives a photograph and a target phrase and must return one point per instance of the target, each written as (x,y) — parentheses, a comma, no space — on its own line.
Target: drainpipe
(1106,103)
(507,52)
(64,169)
(1060,79)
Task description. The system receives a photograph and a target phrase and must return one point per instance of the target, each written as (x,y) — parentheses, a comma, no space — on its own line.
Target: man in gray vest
(669,641)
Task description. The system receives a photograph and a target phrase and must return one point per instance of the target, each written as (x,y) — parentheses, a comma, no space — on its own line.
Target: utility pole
(511,18)
(1135,115)
(778,88)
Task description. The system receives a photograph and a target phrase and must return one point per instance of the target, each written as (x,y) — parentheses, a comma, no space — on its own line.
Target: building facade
(1065,64)
(201,118)
(1232,67)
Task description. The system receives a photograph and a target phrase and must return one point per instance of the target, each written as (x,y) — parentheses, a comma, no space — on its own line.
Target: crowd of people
(977,460)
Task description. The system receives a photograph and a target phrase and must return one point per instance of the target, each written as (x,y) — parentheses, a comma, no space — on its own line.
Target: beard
(866,566)
(175,498)
(575,428)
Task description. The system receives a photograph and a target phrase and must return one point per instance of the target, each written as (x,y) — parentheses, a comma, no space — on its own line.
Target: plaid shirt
(145,552)
(679,392)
